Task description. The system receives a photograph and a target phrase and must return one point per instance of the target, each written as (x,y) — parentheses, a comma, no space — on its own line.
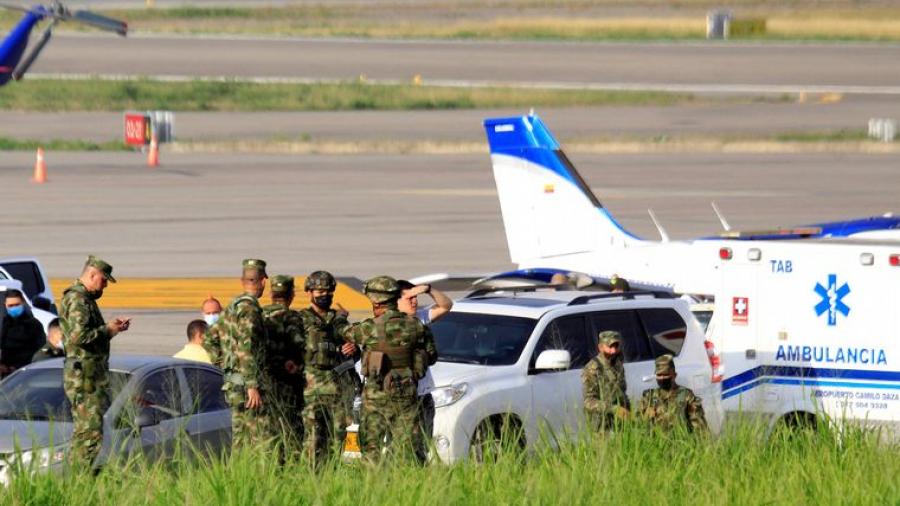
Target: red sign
(740,310)
(137,129)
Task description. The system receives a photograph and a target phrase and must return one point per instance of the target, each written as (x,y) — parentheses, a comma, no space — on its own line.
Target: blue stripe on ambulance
(808,376)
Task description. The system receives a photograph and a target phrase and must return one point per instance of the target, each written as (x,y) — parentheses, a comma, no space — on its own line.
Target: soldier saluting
(86,372)
(397,350)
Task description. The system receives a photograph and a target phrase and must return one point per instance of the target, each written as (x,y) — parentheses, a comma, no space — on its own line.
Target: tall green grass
(199,95)
(634,466)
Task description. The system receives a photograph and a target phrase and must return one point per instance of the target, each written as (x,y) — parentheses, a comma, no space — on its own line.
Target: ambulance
(809,331)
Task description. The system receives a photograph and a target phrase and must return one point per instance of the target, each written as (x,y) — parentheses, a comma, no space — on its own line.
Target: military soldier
(397,350)
(603,379)
(671,406)
(236,343)
(54,347)
(285,346)
(327,399)
(85,375)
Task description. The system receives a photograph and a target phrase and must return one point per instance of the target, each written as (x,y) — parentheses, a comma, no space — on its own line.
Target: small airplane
(553,220)
(14,62)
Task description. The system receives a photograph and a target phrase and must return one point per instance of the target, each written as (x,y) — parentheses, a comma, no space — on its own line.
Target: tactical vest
(387,366)
(326,353)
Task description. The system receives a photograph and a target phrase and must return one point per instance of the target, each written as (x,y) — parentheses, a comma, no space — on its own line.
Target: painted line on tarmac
(700,88)
(189,293)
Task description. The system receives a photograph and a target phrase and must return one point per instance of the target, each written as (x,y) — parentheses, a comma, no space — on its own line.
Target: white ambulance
(810,330)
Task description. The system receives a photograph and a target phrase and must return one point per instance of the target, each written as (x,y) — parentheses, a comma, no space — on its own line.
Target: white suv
(515,357)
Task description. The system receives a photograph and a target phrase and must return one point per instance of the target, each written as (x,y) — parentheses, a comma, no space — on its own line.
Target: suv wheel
(496,435)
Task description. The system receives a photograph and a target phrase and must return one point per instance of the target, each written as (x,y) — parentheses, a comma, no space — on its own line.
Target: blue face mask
(15,311)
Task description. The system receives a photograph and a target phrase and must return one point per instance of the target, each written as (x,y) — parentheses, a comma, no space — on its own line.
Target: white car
(514,357)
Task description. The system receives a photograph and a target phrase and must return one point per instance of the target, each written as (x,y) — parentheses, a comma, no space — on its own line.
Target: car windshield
(484,339)
(37,394)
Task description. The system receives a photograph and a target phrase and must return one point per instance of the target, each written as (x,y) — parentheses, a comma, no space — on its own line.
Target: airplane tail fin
(548,209)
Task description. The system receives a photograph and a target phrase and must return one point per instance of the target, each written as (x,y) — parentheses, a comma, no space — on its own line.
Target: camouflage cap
(104,267)
(255,264)
(319,280)
(609,337)
(382,289)
(665,364)
(282,284)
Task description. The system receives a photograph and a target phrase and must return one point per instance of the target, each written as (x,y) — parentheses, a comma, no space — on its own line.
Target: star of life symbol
(832,299)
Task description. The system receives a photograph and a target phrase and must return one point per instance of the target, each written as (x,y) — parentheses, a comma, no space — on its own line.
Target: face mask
(15,311)
(62,344)
(323,301)
(211,318)
(665,384)
(95,295)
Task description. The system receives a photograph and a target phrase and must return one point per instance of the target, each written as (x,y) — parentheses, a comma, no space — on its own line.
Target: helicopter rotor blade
(101,22)
(32,55)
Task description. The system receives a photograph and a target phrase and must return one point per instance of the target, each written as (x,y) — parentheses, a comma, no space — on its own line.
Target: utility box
(163,123)
(718,24)
(883,129)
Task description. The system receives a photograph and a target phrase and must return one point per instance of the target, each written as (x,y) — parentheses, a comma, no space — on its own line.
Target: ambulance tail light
(725,253)
(718,371)
(894,260)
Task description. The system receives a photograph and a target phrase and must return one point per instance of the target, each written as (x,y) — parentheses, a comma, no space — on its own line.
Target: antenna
(722,219)
(662,232)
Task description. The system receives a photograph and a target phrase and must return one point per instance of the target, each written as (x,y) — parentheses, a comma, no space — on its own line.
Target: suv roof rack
(481,292)
(584,299)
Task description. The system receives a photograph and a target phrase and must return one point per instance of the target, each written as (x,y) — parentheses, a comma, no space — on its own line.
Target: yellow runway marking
(189,293)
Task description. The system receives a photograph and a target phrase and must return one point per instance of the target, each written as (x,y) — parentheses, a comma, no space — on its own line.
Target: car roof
(125,363)
(533,304)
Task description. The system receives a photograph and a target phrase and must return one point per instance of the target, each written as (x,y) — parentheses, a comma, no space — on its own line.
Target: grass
(634,467)
(9,144)
(199,95)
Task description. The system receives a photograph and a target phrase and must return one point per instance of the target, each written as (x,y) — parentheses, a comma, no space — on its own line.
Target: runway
(756,67)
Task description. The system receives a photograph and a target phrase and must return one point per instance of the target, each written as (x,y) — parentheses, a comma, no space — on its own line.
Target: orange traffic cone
(153,157)
(40,168)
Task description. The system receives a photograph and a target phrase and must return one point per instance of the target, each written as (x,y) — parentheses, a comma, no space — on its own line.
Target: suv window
(206,390)
(471,338)
(567,333)
(666,330)
(28,274)
(634,341)
(162,392)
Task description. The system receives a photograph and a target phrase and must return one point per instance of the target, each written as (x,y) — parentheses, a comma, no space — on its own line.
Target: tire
(495,436)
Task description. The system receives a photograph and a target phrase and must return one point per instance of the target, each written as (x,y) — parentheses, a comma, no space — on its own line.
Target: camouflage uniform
(286,342)
(397,350)
(85,374)
(674,408)
(603,382)
(236,344)
(327,400)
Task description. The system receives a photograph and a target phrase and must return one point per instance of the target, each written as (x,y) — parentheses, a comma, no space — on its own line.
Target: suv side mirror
(553,360)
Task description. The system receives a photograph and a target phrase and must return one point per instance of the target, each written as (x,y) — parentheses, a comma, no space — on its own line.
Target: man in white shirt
(193,350)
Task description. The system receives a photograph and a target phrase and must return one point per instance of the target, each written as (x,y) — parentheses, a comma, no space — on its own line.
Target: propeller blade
(32,55)
(101,22)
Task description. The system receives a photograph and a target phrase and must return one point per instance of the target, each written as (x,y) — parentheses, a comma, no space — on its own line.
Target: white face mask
(211,318)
